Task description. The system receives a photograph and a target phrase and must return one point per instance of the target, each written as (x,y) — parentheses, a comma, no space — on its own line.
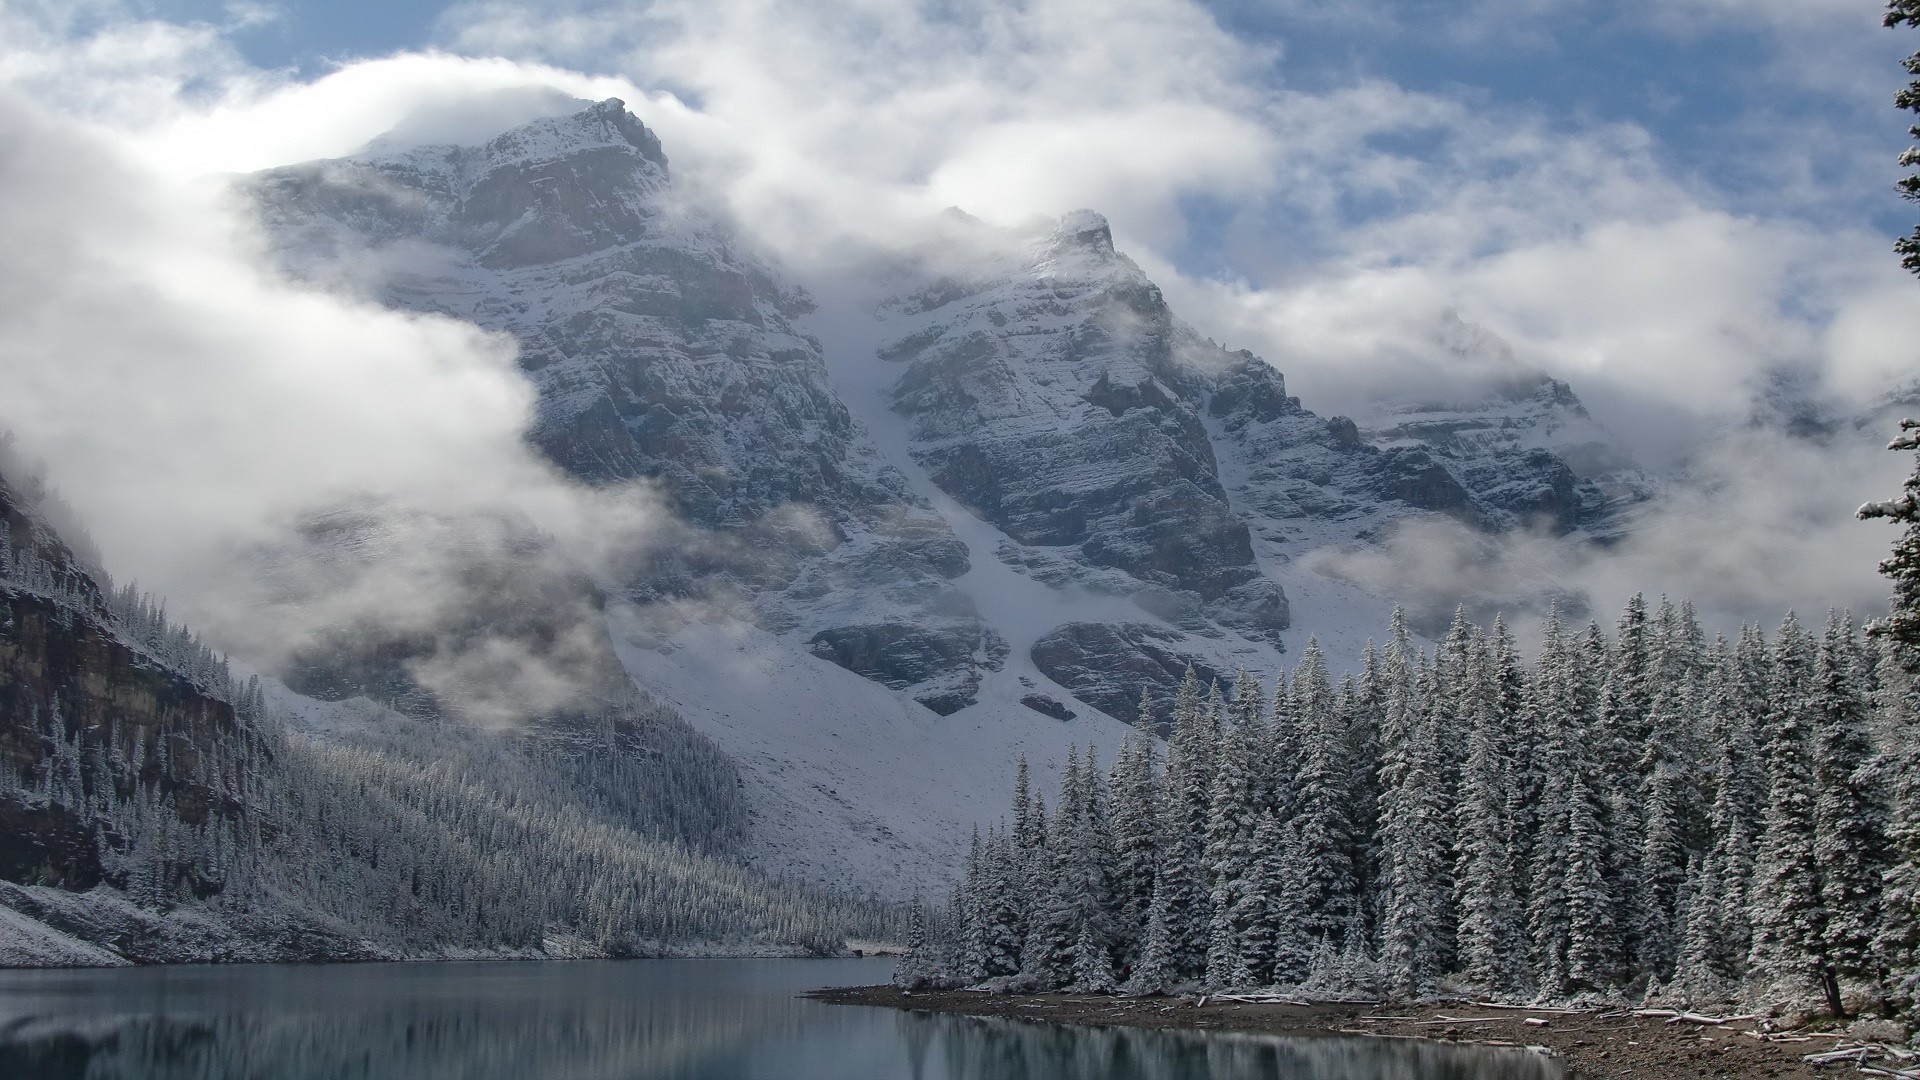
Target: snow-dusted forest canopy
(1644,811)
(1646,814)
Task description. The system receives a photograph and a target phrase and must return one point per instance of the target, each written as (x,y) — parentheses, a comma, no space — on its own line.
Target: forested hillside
(157,809)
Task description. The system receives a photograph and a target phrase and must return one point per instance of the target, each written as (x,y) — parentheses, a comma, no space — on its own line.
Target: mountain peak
(1086,229)
(602,124)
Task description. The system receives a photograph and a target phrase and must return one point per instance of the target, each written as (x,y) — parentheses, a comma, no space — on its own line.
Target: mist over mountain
(1004,484)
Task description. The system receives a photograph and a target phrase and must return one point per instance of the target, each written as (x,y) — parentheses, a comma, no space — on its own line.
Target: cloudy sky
(1673,204)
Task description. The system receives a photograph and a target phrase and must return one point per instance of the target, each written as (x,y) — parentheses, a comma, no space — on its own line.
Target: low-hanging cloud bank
(199,412)
(1343,222)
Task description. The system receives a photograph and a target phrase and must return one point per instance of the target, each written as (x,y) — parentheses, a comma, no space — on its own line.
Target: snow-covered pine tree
(1626,716)
(1098,936)
(1053,920)
(1326,887)
(1668,811)
(1784,905)
(1284,943)
(1137,818)
(1902,621)
(1551,704)
(1898,942)
(1359,709)
(1700,973)
(1734,820)
(1185,801)
(1490,921)
(1849,829)
(1231,819)
(1155,972)
(1513,721)
(1414,917)
(1594,941)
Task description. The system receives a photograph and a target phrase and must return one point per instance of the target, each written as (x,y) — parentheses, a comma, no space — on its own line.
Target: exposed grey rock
(1107,665)
(1046,706)
(941,664)
(1056,396)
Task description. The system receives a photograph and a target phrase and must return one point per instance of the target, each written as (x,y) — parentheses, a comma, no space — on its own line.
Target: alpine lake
(719,1019)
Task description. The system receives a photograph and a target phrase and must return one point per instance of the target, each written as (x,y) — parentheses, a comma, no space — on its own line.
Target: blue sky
(1716,90)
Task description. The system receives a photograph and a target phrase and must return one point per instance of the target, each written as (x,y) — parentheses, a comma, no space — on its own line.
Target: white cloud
(196,410)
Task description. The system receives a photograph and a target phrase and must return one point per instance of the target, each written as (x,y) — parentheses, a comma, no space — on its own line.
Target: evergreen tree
(1551,703)
(1137,817)
(1734,820)
(1413,921)
(1490,918)
(1785,901)
(1359,709)
(1668,810)
(1231,819)
(1156,971)
(1186,800)
(1848,828)
(1325,887)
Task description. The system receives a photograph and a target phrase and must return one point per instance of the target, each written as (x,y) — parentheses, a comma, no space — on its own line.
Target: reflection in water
(666,1019)
(975,1048)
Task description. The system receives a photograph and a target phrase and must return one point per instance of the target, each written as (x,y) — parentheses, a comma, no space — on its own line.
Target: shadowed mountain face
(1096,444)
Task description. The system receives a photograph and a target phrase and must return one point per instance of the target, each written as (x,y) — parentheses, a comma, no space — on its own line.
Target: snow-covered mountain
(1038,495)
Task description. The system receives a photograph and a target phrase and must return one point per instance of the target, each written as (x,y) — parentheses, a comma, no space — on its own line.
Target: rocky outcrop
(1108,665)
(90,719)
(941,665)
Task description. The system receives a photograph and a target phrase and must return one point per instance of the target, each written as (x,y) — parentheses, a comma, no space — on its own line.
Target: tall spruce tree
(1785,902)
(1186,798)
(1326,886)
(1414,930)
(1232,817)
(1551,704)
(1848,823)
(1137,817)
(1490,920)
(1734,818)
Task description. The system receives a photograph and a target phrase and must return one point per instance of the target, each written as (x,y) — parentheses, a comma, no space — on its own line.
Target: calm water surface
(612,1020)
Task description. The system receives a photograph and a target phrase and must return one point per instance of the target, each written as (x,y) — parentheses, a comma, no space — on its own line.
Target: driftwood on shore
(1675,1016)
(1864,1055)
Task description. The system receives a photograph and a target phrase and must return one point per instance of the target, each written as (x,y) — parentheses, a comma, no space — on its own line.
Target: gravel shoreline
(1597,1046)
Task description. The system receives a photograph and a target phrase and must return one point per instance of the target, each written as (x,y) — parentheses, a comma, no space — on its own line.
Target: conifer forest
(1625,814)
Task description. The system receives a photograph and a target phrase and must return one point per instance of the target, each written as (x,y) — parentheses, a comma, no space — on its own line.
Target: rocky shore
(1596,1045)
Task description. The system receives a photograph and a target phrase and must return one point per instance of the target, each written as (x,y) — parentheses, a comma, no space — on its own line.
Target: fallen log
(1676,1016)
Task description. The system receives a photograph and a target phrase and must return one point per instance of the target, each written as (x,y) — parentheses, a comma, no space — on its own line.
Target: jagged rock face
(1055,396)
(940,664)
(661,349)
(72,690)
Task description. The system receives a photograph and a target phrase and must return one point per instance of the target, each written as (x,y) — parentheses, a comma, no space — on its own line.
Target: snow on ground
(851,783)
(26,942)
